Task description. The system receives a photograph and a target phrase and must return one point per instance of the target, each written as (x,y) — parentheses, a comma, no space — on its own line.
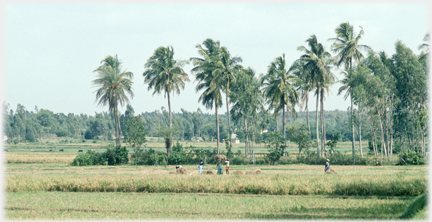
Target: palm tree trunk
(317,133)
(117,126)
(228,113)
(217,128)
(359,131)
(323,134)
(283,124)
(276,121)
(246,137)
(307,113)
(170,120)
(352,130)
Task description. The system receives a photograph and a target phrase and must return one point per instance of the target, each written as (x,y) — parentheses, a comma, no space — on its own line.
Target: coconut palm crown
(114,86)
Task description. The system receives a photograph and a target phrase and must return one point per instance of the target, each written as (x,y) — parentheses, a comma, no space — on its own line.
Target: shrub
(148,157)
(411,158)
(112,156)
(285,160)
(61,133)
(239,160)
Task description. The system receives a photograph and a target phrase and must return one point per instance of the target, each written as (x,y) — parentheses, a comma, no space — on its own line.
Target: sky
(51,49)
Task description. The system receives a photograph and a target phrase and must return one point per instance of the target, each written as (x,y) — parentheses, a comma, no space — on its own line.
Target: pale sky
(50,50)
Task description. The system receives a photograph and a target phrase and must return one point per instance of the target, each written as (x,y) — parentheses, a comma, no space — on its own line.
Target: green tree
(248,100)
(164,74)
(346,45)
(204,73)
(136,132)
(226,69)
(113,86)
(317,64)
(299,135)
(279,89)
(304,86)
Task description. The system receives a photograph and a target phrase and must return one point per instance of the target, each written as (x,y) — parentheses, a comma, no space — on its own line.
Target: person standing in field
(227,166)
(201,167)
(327,166)
(219,171)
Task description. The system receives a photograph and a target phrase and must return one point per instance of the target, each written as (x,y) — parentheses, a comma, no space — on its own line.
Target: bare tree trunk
(317,133)
(217,128)
(359,131)
(386,125)
(383,145)
(276,123)
(352,129)
(246,137)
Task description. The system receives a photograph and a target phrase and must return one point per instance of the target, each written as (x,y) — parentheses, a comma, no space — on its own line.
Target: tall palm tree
(304,85)
(204,73)
(113,86)
(279,89)
(346,45)
(164,74)
(317,64)
(226,68)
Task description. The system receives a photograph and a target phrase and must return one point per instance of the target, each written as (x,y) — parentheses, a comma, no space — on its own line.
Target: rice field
(42,186)
(133,206)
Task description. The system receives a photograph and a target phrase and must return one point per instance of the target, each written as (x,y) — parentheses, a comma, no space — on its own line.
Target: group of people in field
(201,167)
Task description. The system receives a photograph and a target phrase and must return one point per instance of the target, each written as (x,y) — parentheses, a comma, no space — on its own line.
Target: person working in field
(201,167)
(227,166)
(327,166)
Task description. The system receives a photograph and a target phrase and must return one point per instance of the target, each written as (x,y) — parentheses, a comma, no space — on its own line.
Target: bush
(261,161)
(90,158)
(112,156)
(239,160)
(409,157)
(61,132)
(285,160)
(148,157)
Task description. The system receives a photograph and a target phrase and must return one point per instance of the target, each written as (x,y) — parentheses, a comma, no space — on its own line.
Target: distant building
(263,131)
(5,138)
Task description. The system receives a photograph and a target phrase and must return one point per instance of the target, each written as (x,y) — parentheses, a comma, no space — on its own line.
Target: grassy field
(41,185)
(124,206)
(75,145)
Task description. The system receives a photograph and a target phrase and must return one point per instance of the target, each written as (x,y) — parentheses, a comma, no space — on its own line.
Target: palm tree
(316,63)
(204,74)
(279,89)
(164,74)
(226,68)
(304,85)
(113,86)
(346,45)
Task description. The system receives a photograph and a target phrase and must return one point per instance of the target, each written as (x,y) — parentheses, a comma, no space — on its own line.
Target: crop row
(232,184)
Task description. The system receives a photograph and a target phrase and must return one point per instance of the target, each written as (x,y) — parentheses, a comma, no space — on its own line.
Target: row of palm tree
(281,88)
